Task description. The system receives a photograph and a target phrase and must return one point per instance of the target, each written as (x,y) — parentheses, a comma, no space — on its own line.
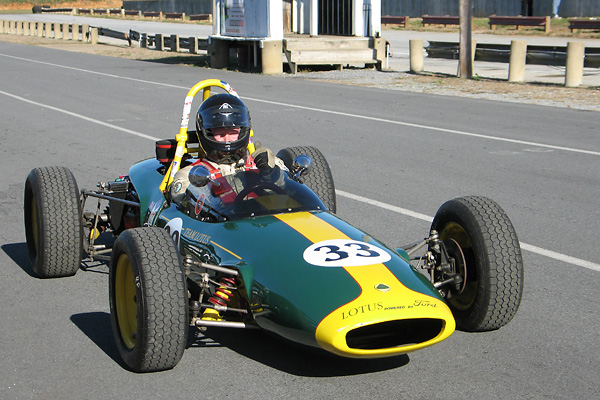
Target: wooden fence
(483,8)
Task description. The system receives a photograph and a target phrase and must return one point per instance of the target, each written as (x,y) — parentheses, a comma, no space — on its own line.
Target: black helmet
(223,110)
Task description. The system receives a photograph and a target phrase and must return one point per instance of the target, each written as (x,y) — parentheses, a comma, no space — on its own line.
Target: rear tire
(318,177)
(478,229)
(53,225)
(148,300)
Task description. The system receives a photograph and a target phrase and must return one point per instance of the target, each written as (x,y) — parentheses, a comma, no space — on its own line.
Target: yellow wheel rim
(126,302)
(34,224)
(466,299)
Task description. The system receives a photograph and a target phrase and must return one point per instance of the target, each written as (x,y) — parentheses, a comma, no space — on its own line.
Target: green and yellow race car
(254,250)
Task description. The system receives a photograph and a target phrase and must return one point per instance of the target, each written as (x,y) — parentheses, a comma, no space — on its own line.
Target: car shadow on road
(97,327)
(19,254)
(254,344)
(296,359)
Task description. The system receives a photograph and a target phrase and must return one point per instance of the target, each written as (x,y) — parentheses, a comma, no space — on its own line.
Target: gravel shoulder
(583,98)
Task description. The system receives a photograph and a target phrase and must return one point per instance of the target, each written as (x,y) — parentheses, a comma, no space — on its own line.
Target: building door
(287,16)
(335,17)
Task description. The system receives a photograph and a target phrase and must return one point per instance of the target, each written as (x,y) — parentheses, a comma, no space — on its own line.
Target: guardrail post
(175,43)
(2,26)
(143,40)
(56,28)
(39,28)
(48,29)
(575,58)
(85,32)
(25,28)
(416,55)
(32,26)
(518,55)
(75,32)
(65,31)
(94,36)
(159,42)
(19,30)
(193,45)
(271,60)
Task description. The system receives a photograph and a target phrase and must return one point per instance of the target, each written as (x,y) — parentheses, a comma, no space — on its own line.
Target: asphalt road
(402,154)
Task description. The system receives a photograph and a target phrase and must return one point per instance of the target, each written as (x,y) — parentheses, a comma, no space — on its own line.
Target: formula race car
(272,255)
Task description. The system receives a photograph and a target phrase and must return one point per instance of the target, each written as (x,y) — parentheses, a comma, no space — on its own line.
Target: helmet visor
(225,115)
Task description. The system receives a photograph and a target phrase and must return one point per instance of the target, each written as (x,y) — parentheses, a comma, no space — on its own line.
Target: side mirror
(300,165)
(199,176)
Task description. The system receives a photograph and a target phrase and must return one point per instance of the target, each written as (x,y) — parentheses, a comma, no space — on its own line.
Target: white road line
(87,71)
(364,117)
(432,128)
(72,114)
(534,249)
(385,206)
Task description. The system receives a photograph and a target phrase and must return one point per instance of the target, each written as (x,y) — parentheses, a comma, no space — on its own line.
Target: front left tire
(148,300)
(481,238)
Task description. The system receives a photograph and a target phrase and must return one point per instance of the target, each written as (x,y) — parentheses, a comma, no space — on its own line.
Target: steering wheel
(262,186)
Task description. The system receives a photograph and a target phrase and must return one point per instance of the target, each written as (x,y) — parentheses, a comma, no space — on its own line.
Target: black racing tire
(492,254)
(318,177)
(148,300)
(53,225)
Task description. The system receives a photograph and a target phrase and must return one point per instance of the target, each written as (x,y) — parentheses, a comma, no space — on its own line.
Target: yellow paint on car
(383,298)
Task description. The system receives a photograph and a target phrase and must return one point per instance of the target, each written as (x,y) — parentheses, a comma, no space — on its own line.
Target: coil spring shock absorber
(223,293)
(221,297)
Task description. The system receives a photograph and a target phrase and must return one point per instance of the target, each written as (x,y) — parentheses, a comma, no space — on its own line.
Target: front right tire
(53,226)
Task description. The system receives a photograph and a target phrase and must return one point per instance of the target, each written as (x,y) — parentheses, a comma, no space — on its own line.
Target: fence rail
(87,33)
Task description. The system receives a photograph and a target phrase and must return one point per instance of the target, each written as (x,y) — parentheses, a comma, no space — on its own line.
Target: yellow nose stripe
(370,306)
(311,227)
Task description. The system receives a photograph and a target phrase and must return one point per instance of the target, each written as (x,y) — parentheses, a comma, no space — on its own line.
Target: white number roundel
(344,253)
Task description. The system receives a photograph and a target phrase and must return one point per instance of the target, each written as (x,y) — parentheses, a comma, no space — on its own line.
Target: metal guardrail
(65,31)
(122,12)
(540,55)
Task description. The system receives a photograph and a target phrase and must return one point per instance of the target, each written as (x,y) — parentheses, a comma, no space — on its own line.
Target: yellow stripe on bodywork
(227,250)
(371,306)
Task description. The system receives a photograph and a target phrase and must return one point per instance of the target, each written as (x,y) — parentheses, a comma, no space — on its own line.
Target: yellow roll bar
(182,136)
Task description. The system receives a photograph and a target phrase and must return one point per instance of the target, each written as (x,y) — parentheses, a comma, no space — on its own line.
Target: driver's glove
(263,158)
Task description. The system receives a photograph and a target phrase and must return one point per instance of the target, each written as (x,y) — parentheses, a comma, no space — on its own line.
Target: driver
(223,130)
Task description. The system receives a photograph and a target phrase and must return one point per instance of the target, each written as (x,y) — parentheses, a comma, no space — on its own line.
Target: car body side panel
(290,294)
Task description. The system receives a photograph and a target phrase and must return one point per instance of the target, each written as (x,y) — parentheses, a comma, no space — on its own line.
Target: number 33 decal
(344,253)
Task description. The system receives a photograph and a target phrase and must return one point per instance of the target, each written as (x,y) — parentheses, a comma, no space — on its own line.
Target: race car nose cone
(387,319)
